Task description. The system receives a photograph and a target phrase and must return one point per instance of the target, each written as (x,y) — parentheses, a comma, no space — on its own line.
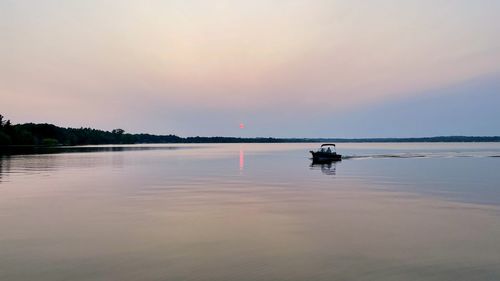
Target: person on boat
(328,150)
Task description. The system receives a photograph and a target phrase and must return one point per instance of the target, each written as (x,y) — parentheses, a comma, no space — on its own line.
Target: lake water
(251,212)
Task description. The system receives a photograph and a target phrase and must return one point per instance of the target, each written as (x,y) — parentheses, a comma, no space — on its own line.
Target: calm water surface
(251,212)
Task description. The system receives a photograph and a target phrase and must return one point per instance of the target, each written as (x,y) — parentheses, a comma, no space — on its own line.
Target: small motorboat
(326,153)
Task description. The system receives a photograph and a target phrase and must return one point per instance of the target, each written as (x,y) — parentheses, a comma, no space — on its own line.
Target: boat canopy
(327,144)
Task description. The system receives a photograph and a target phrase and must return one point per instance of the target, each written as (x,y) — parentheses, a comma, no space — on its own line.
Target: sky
(381,68)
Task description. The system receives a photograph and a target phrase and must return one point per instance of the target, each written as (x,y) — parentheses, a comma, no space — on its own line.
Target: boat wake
(422,155)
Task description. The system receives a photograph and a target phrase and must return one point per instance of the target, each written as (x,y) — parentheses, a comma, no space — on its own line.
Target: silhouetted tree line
(49,135)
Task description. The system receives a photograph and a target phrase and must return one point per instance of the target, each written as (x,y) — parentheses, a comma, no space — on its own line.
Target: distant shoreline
(229,140)
(49,135)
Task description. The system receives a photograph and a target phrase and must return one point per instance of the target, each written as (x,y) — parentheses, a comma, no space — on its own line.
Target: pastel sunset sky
(282,68)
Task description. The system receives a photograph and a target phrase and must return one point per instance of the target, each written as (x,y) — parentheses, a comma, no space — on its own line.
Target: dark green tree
(118,132)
